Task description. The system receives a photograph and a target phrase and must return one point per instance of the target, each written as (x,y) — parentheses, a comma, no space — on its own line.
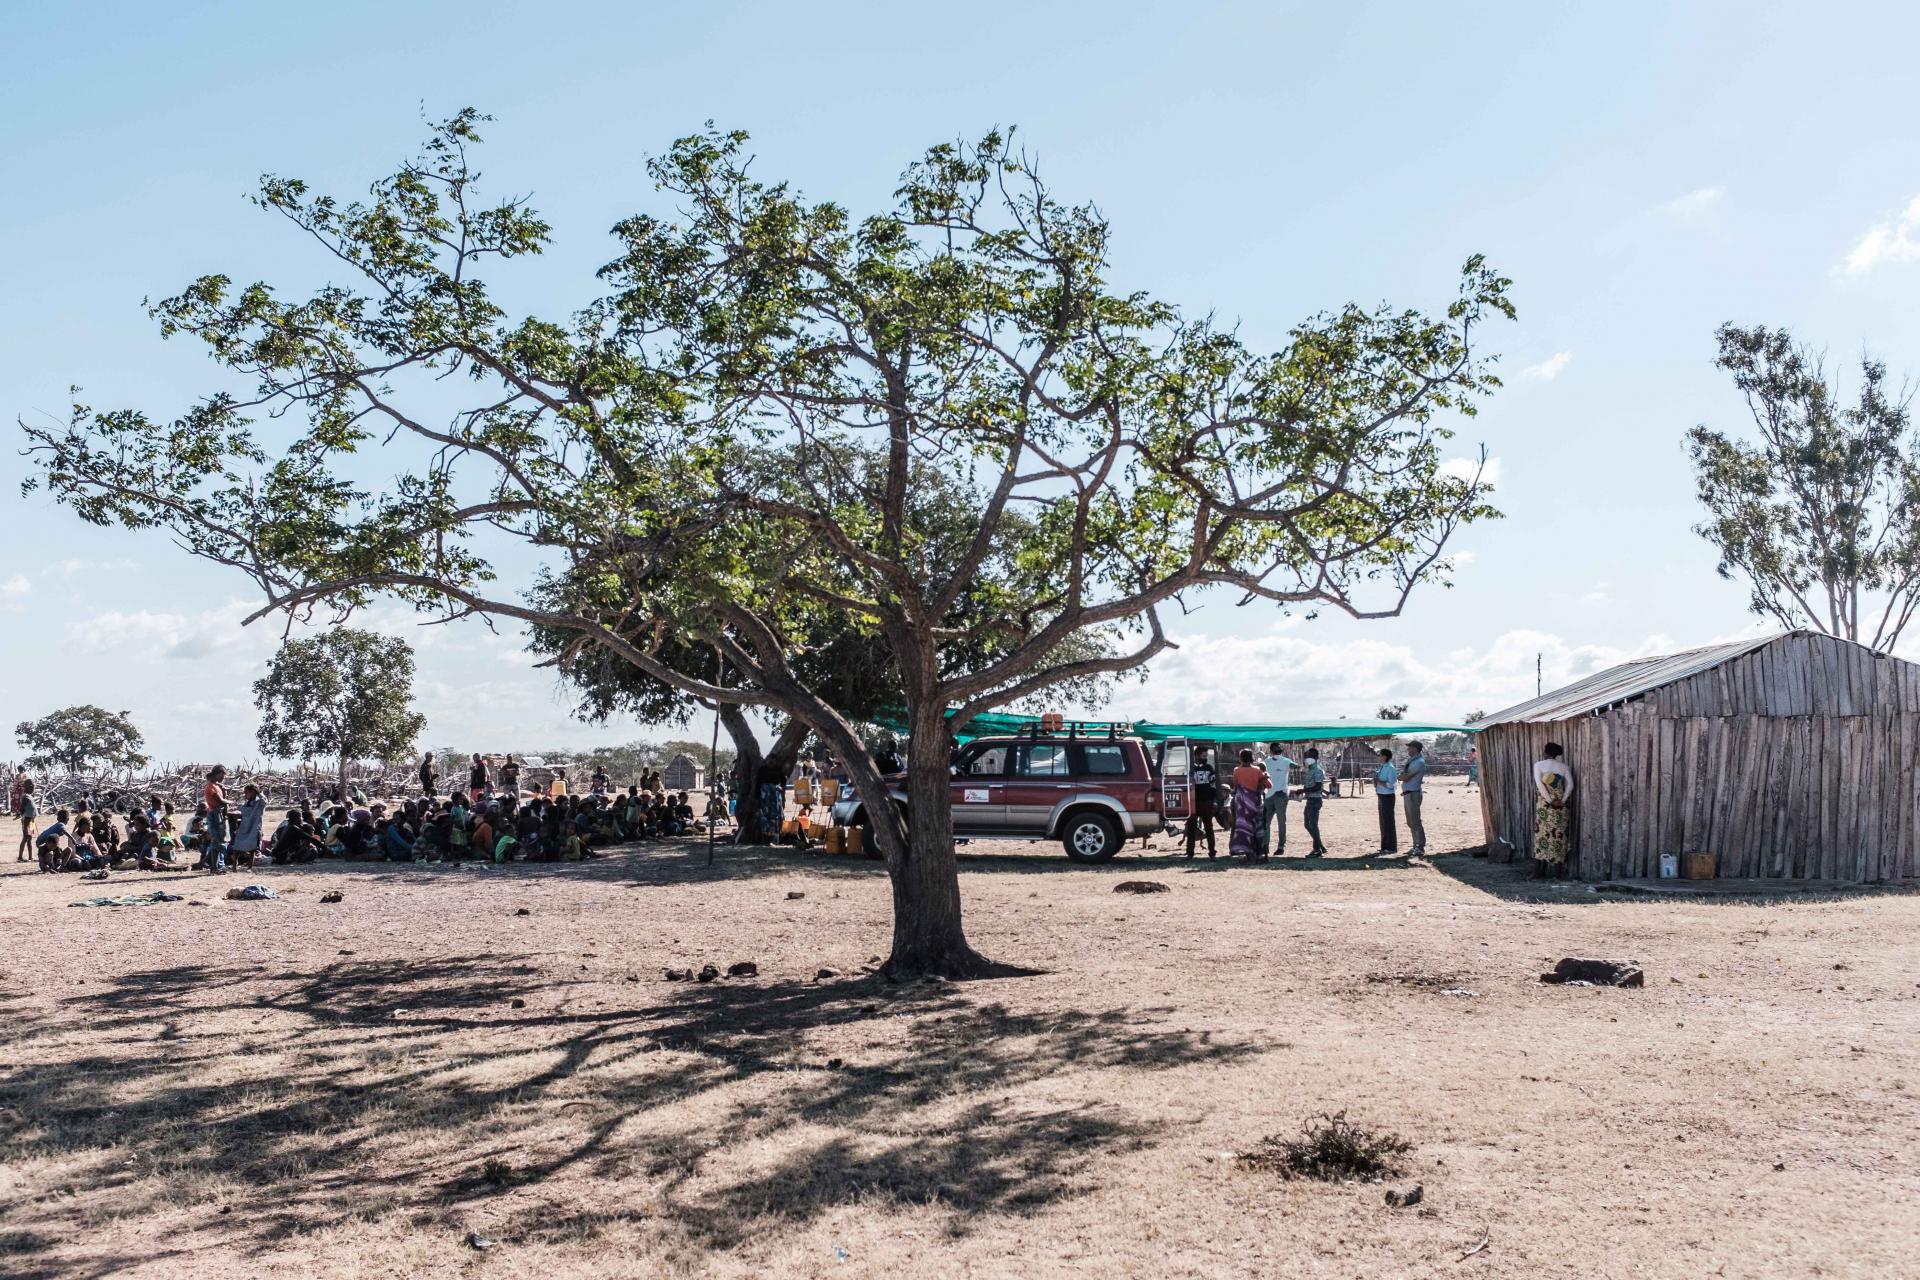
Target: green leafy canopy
(80,738)
(1821,516)
(343,693)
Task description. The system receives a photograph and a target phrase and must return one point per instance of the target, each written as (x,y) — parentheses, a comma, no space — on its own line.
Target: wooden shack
(683,773)
(1788,756)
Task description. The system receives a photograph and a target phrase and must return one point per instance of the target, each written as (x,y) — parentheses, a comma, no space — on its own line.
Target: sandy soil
(297,1089)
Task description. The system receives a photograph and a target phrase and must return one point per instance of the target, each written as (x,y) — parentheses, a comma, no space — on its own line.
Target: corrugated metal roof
(1625,682)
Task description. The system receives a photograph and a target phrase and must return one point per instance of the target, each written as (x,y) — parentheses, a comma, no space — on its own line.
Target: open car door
(1176,780)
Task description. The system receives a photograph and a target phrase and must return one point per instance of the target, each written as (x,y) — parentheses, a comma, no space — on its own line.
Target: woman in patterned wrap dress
(1552,812)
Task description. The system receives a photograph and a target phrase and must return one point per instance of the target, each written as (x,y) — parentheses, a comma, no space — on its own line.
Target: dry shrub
(1330,1149)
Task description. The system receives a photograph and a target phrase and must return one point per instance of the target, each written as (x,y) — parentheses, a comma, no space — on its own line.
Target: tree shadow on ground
(377,1088)
(684,860)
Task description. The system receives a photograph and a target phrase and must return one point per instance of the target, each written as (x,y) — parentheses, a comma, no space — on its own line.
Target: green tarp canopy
(1292,730)
(993,723)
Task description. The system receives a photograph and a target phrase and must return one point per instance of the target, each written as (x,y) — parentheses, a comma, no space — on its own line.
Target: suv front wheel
(1090,836)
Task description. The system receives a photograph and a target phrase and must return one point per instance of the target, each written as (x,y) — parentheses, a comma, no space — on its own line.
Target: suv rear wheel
(1090,836)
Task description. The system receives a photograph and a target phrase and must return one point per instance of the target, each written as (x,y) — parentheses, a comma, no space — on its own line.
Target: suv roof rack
(1111,730)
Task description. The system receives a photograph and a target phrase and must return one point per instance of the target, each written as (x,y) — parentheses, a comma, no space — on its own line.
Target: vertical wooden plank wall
(1795,761)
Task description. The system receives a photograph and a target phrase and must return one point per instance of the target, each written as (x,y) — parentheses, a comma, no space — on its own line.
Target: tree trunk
(927,933)
(746,763)
(343,780)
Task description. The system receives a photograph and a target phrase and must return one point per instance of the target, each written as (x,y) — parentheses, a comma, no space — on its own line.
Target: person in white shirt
(1552,812)
(1384,778)
(1280,769)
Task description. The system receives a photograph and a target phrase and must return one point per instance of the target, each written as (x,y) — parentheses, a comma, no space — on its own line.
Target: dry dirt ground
(297,1089)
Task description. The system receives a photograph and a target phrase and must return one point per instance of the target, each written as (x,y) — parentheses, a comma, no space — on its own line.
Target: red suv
(1091,793)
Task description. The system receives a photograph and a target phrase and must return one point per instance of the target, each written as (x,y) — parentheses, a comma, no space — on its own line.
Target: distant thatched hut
(683,773)
(1789,756)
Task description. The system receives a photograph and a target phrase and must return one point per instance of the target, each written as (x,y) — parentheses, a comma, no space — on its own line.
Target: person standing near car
(1250,783)
(1384,778)
(1206,790)
(1273,812)
(1316,787)
(1413,777)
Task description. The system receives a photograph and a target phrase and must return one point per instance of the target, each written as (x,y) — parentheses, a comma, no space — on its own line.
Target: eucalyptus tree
(727,437)
(1821,515)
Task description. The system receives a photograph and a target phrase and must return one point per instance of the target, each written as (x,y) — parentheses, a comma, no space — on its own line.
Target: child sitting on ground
(107,836)
(526,828)
(395,844)
(505,845)
(137,848)
(50,844)
(83,852)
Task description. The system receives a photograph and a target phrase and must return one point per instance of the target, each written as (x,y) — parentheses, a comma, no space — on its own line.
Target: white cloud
(1549,369)
(70,566)
(13,591)
(216,632)
(1599,594)
(1467,468)
(1696,206)
(1208,677)
(1896,240)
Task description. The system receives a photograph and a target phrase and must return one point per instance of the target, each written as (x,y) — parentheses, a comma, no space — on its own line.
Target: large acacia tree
(727,436)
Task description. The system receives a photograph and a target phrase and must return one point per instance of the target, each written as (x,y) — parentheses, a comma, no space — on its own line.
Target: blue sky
(1643,172)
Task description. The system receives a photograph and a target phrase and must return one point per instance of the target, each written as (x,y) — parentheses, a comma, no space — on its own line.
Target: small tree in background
(77,738)
(343,693)
(1821,518)
(1398,711)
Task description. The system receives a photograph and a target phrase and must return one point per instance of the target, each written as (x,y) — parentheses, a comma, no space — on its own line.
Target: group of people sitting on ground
(87,839)
(494,828)
(478,824)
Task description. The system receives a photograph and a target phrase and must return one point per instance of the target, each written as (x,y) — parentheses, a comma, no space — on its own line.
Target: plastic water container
(1669,866)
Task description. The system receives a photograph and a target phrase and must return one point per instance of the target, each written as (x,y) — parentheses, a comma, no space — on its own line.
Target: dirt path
(292,1088)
